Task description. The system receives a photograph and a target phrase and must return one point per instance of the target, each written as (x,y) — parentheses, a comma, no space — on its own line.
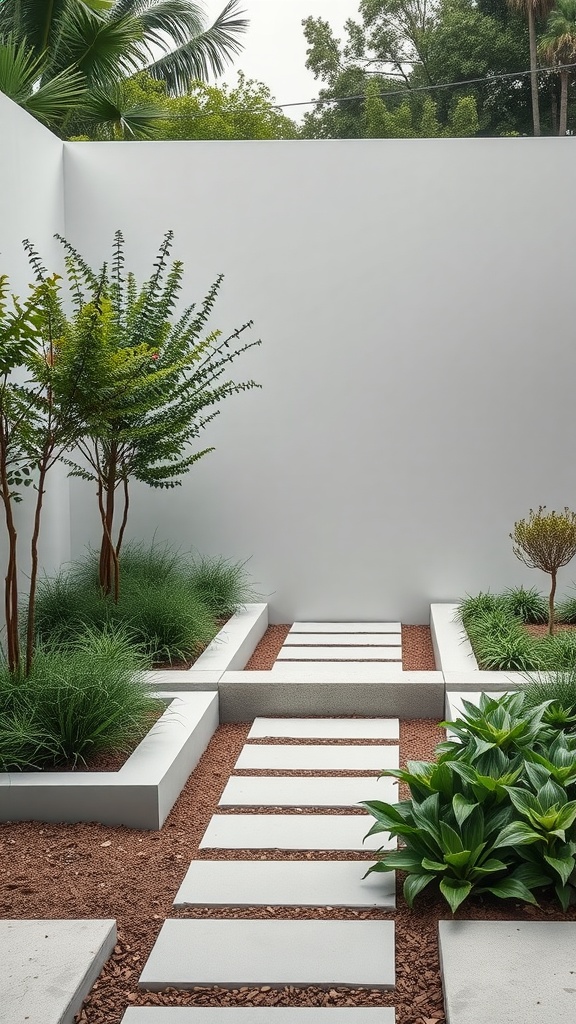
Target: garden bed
(140,793)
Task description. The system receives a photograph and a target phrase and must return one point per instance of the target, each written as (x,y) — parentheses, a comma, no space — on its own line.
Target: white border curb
(229,651)
(141,794)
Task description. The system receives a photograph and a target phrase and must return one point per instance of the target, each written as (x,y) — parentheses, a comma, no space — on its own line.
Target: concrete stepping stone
(523,971)
(346,627)
(285,883)
(326,728)
(293,832)
(301,653)
(258,1015)
(233,953)
(276,791)
(49,967)
(341,672)
(344,639)
(312,757)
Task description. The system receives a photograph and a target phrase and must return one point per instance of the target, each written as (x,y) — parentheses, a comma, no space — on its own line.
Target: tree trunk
(563,102)
(551,605)
(30,624)
(11,579)
(108,567)
(554,110)
(533,71)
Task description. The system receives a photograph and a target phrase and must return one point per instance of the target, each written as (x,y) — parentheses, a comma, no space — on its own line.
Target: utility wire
(407,91)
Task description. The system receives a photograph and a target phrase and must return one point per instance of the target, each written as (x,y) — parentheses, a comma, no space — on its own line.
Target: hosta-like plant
(455,844)
(504,724)
(558,759)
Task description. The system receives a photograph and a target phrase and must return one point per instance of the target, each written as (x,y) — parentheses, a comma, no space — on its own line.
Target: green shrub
(168,603)
(477,605)
(500,642)
(494,814)
(526,605)
(558,690)
(76,703)
(223,586)
(566,611)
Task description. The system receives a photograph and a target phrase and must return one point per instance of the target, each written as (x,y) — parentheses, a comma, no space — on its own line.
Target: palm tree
(95,45)
(558,46)
(533,9)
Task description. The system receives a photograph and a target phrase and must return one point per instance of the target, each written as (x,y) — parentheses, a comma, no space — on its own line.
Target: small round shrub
(222,585)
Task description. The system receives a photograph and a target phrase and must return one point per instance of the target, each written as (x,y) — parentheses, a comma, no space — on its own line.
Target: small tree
(547,541)
(149,386)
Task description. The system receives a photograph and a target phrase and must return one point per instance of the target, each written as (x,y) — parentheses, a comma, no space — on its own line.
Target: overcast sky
(275,48)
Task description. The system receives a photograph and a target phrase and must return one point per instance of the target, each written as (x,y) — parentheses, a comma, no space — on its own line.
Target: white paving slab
(523,972)
(317,757)
(258,1015)
(277,953)
(307,791)
(339,654)
(48,967)
(293,832)
(326,728)
(305,883)
(346,627)
(344,639)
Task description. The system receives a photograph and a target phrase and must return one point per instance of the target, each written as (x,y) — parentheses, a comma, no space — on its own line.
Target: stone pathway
(233,952)
(355,643)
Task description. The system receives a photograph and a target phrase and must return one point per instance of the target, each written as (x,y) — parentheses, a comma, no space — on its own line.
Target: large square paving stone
(49,967)
(509,972)
(305,791)
(326,728)
(317,757)
(306,883)
(258,1015)
(232,953)
(293,832)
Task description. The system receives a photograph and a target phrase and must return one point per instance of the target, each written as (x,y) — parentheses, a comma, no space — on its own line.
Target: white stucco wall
(32,206)
(414,298)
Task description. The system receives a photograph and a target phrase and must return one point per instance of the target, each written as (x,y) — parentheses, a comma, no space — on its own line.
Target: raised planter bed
(141,794)
(230,649)
(455,657)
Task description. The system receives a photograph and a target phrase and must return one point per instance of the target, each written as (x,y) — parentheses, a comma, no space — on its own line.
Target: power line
(407,91)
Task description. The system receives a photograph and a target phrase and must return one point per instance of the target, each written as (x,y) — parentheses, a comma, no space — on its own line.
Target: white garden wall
(418,365)
(414,300)
(32,206)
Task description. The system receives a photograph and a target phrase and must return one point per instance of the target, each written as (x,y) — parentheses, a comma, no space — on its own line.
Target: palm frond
(102,49)
(106,112)
(205,54)
(20,73)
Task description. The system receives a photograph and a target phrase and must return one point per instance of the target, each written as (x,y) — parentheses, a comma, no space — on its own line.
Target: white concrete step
(317,757)
(344,639)
(522,971)
(326,728)
(293,832)
(233,953)
(288,883)
(49,967)
(339,671)
(288,653)
(258,1015)
(346,627)
(306,791)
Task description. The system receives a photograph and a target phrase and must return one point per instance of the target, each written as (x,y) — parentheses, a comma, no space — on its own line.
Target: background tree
(205,112)
(103,42)
(533,10)
(149,386)
(558,46)
(547,541)
(407,48)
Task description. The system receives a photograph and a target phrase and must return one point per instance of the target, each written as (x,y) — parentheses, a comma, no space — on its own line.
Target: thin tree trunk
(106,501)
(551,604)
(554,110)
(11,579)
(124,515)
(533,71)
(30,624)
(563,103)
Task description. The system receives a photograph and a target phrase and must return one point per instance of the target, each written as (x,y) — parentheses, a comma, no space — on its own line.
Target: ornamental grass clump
(75,704)
(547,541)
(495,813)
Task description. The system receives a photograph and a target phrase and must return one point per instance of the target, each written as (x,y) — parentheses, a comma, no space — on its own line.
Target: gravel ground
(417,652)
